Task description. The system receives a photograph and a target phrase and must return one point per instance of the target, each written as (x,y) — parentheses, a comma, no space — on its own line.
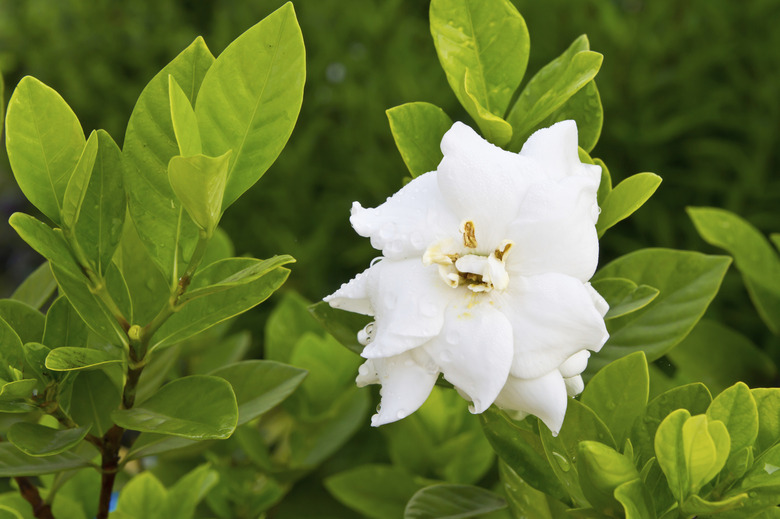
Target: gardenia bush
(124,395)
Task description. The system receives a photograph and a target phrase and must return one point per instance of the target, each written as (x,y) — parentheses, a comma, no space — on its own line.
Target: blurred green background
(691,91)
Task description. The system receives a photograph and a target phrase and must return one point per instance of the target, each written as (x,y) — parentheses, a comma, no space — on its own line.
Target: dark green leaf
(25,320)
(376,491)
(64,327)
(17,389)
(524,500)
(452,502)
(39,440)
(14,462)
(288,322)
(625,198)
(343,326)
(11,351)
(417,130)
(585,109)
(93,398)
(73,359)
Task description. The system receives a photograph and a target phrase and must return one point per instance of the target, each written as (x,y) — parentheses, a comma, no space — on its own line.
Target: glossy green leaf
(64,326)
(185,125)
(525,501)
(17,389)
(250,98)
(625,198)
(687,282)
(150,143)
(44,141)
(143,496)
(77,185)
(618,393)
(35,357)
(602,470)
(233,296)
(417,130)
(623,295)
(188,491)
(198,407)
(605,185)
(585,109)
(5,511)
(753,256)
(25,320)
(452,502)
(46,241)
(288,322)
(199,183)
(93,398)
(737,409)
(260,385)
(39,440)
(768,405)
(636,502)
(343,326)
(14,462)
(376,491)
(37,288)
(550,88)
(483,48)
(762,481)
(10,351)
(693,397)
(73,359)
(697,506)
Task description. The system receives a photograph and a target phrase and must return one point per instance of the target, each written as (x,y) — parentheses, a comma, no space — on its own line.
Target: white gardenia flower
(484,278)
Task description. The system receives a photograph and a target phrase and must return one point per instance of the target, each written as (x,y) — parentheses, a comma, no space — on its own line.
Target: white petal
(574,385)
(544,397)
(409,300)
(575,364)
(553,317)
(409,221)
(556,151)
(474,351)
(481,183)
(353,295)
(556,230)
(405,386)
(601,304)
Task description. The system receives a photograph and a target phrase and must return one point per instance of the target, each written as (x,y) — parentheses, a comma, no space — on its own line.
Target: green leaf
(7,512)
(10,351)
(489,43)
(93,397)
(64,327)
(602,470)
(585,109)
(198,407)
(493,127)
(17,389)
(14,463)
(635,499)
(753,256)
(625,198)
(250,98)
(452,502)
(188,491)
(39,440)
(696,506)
(26,321)
(605,186)
(623,295)
(376,491)
(230,287)
(550,88)
(524,500)
(693,397)
(35,356)
(288,322)
(580,424)
(44,141)
(150,143)
(77,185)
(768,405)
(260,385)
(199,183)
(618,393)
(37,288)
(417,130)
(143,496)
(736,408)
(185,125)
(687,282)
(46,241)
(74,359)
(343,326)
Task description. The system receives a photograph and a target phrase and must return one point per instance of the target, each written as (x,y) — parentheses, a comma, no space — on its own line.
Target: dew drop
(376,260)
(445,356)
(400,414)
(563,463)
(452,337)
(386,231)
(417,240)
(379,408)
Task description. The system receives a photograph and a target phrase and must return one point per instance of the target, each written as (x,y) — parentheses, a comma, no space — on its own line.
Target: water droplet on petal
(562,462)
(452,337)
(417,240)
(379,408)
(400,414)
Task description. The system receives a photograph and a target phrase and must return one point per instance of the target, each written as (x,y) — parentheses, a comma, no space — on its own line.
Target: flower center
(479,272)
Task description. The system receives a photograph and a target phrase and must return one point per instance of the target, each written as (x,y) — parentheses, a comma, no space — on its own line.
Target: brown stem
(30,493)
(109,467)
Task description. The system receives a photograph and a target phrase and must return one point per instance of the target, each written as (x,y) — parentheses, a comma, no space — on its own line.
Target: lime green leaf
(550,88)
(143,496)
(260,385)
(46,241)
(39,440)
(625,198)
(493,127)
(199,183)
(250,98)
(601,471)
(17,389)
(63,326)
(697,506)
(14,462)
(605,186)
(671,454)
(44,141)
(753,256)
(524,500)
(93,398)
(5,511)
(736,408)
(288,322)
(73,359)
(198,407)
(585,109)
(229,287)
(618,393)
(149,145)
(635,499)
(77,185)
(343,326)
(37,288)
(687,282)
(623,295)
(452,502)
(26,321)
(188,491)
(185,125)
(376,491)
(417,130)
(768,405)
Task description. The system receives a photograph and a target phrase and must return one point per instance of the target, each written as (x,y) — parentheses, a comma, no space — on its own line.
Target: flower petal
(481,183)
(409,300)
(575,364)
(544,397)
(574,385)
(553,317)
(474,351)
(409,221)
(353,295)
(556,151)
(601,304)
(405,386)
